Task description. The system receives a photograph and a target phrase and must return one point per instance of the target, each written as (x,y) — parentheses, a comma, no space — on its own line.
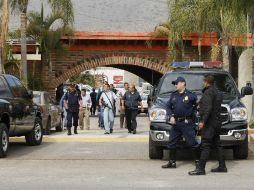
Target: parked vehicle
(145,104)
(19,116)
(234,131)
(51,112)
(119,86)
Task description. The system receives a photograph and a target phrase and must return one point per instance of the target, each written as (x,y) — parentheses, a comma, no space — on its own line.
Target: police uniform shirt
(181,104)
(131,100)
(73,99)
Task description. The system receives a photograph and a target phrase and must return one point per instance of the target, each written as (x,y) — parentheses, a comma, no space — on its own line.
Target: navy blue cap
(179,79)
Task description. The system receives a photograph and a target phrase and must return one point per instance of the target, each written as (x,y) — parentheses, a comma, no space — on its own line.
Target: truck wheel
(59,128)
(155,152)
(34,138)
(241,151)
(48,127)
(4,140)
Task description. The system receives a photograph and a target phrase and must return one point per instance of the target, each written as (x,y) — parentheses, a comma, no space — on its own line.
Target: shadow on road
(20,149)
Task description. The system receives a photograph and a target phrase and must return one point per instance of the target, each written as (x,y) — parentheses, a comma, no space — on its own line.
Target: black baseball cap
(179,79)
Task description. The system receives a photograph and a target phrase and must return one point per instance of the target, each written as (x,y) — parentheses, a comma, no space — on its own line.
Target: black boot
(75,130)
(170,164)
(172,160)
(222,165)
(196,163)
(200,168)
(69,131)
(222,168)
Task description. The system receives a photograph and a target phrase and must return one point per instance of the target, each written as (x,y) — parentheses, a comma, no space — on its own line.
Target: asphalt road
(120,161)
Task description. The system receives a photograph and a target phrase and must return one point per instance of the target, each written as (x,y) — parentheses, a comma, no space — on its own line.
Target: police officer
(72,102)
(93,95)
(210,125)
(130,101)
(180,109)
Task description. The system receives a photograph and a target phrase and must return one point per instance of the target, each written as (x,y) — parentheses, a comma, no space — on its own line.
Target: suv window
(37,98)
(21,88)
(4,90)
(14,88)
(194,82)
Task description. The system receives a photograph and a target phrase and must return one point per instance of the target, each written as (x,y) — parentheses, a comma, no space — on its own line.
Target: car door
(24,108)
(54,111)
(5,94)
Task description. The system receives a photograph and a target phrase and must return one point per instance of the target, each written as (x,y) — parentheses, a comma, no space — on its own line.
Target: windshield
(195,83)
(37,99)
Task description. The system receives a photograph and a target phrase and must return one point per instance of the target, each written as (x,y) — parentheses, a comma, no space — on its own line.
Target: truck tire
(34,138)
(241,151)
(155,152)
(59,128)
(4,140)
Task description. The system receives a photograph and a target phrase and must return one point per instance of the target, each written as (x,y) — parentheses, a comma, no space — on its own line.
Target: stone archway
(113,60)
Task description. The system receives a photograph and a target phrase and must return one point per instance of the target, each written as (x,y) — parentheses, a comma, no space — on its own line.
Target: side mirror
(247,90)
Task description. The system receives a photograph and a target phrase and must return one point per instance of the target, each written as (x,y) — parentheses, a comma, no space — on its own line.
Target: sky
(111,15)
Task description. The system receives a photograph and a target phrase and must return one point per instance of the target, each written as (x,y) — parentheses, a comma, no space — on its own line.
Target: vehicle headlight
(159,115)
(239,114)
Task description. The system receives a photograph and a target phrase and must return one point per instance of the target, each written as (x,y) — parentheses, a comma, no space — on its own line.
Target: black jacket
(210,106)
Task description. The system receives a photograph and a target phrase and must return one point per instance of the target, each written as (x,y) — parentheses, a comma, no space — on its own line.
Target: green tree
(64,6)
(199,16)
(48,30)
(84,78)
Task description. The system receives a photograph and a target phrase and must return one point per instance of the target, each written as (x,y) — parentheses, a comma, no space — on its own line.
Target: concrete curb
(93,139)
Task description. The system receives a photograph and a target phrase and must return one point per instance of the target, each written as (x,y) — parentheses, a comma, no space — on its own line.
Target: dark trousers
(206,145)
(72,116)
(93,108)
(131,115)
(101,119)
(187,131)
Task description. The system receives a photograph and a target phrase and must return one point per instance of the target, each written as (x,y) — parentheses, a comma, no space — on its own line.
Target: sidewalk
(95,134)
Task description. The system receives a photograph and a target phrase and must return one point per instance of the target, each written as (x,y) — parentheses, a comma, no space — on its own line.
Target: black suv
(234,132)
(18,115)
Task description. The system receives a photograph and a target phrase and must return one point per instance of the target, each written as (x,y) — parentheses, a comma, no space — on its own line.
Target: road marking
(85,139)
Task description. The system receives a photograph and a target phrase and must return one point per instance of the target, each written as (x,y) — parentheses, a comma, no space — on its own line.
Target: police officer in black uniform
(180,110)
(210,125)
(93,95)
(72,102)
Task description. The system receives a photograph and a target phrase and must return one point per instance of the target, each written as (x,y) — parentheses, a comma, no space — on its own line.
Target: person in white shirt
(120,94)
(107,101)
(84,120)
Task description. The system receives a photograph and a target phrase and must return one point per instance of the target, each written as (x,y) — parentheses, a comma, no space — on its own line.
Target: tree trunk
(23,20)
(225,45)
(50,62)
(4,31)
(225,55)
(199,48)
